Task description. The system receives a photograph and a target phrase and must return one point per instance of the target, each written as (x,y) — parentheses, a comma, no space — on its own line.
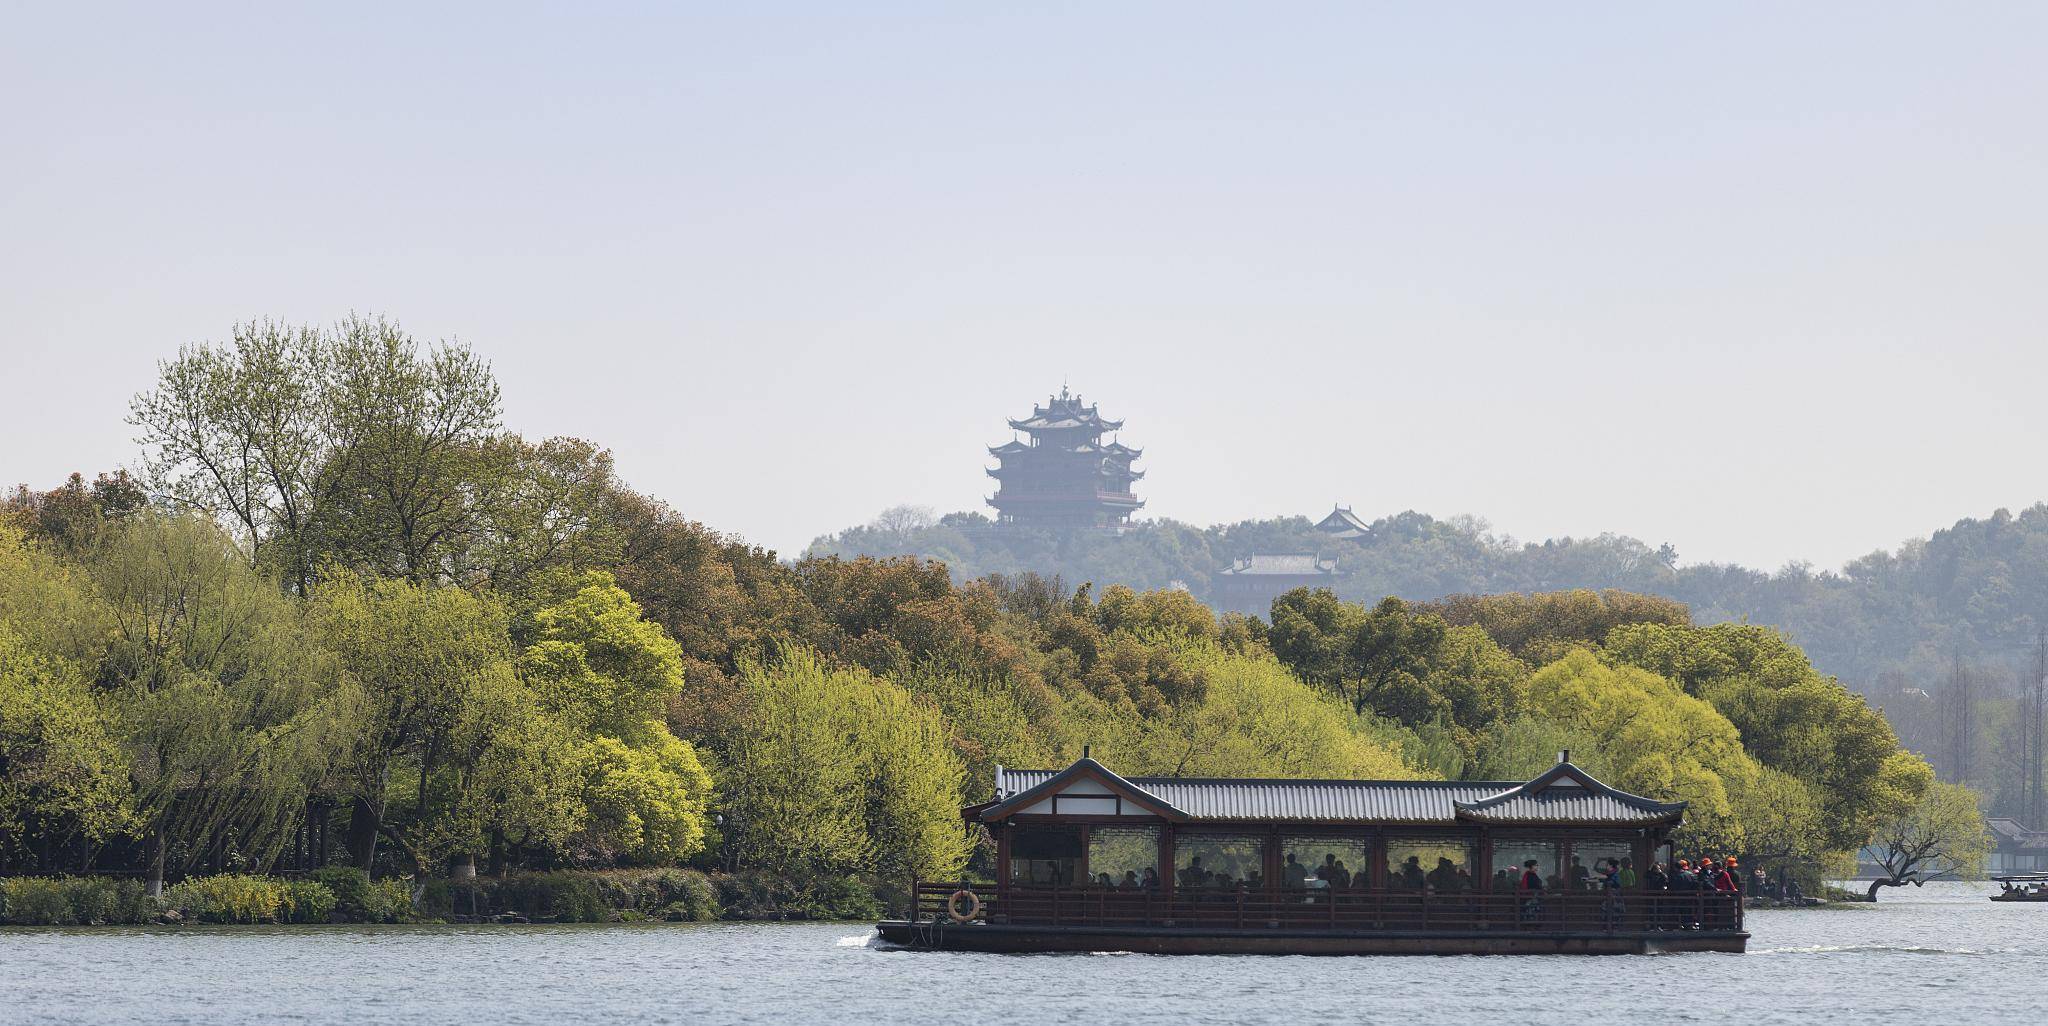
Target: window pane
(1591,858)
(1315,863)
(1438,864)
(1509,856)
(1218,861)
(1045,855)
(1124,857)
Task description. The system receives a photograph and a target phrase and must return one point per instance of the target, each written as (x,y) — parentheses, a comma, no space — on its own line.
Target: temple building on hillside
(1342,523)
(1065,476)
(1250,585)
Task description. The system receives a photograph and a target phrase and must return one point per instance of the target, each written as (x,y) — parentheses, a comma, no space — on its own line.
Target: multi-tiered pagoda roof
(1064,475)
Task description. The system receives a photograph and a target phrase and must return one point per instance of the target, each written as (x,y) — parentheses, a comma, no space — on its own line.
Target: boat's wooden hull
(1153,940)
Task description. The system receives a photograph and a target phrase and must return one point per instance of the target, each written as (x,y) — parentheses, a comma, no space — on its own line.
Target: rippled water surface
(1941,954)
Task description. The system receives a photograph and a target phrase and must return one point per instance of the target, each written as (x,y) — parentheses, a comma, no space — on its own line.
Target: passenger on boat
(1444,878)
(1655,879)
(1464,880)
(1501,883)
(1340,875)
(1684,879)
(1105,881)
(1627,869)
(1412,876)
(1530,890)
(1724,876)
(1576,875)
(1130,880)
(1327,872)
(1193,875)
(1612,904)
(1293,875)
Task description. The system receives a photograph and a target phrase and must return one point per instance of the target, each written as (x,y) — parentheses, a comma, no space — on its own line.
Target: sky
(1761,281)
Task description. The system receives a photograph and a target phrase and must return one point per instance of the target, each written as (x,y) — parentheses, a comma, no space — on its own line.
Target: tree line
(340,600)
(1913,629)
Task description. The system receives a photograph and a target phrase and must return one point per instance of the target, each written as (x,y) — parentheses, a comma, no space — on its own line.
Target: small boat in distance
(2023,887)
(1087,860)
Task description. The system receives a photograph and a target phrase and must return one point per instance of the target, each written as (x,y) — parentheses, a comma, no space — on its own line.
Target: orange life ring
(973,906)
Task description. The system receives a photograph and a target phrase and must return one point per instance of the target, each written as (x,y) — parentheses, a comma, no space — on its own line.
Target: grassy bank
(343,895)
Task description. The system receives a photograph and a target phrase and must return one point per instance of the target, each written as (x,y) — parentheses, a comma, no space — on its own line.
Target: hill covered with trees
(342,600)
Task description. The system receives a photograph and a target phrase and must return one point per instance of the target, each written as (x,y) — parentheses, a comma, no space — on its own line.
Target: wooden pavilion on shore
(1090,860)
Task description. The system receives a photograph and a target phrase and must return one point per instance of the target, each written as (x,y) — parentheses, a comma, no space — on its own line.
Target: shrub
(389,901)
(37,901)
(360,899)
(844,897)
(562,897)
(99,900)
(305,901)
(227,898)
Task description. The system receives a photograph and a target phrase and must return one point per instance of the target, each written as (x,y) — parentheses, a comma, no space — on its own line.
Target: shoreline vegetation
(342,626)
(346,895)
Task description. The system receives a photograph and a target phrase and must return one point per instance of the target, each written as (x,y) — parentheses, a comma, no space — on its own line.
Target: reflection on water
(1940,954)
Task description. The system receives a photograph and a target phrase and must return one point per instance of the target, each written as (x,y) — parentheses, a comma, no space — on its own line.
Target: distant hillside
(1978,589)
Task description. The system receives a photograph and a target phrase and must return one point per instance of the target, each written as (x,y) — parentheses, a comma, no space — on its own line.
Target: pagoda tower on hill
(1065,476)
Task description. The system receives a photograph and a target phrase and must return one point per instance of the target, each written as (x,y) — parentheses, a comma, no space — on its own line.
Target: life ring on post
(973,901)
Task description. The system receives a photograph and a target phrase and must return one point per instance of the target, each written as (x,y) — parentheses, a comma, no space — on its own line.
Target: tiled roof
(1280,564)
(1344,524)
(1416,802)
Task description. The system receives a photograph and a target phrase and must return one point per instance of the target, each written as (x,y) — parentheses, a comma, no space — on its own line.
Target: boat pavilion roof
(1564,794)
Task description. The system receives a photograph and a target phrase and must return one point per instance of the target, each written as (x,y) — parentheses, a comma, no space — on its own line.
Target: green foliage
(305,901)
(36,901)
(1650,738)
(76,900)
(1789,715)
(216,686)
(228,898)
(360,899)
(1942,833)
(64,769)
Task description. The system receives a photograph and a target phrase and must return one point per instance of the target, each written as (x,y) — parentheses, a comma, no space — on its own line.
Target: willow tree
(1649,737)
(435,670)
(62,771)
(225,706)
(1940,835)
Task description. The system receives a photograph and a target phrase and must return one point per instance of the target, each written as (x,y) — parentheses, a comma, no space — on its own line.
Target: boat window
(1204,861)
(1325,862)
(1045,855)
(1589,859)
(1442,865)
(1125,858)
(1510,853)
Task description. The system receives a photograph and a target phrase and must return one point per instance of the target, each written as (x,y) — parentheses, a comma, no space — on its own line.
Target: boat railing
(1354,911)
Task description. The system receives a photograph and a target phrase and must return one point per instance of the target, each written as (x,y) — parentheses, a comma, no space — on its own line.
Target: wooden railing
(1366,911)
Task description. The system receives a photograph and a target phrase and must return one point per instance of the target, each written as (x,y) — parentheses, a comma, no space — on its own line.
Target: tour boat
(1091,861)
(2024,887)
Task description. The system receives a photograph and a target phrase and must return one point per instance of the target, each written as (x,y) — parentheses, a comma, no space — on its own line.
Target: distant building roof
(1563,794)
(2011,835)
(1342,523)
(1286,564)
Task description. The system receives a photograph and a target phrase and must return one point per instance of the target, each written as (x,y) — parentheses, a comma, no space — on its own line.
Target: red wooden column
(1002,860)
(1166,860)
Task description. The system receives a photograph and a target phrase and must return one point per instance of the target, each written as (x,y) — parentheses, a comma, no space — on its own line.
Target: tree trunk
(363,826)
(156,865)
(1882,882)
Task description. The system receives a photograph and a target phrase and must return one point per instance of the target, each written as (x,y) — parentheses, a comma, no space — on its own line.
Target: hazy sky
(1764,282)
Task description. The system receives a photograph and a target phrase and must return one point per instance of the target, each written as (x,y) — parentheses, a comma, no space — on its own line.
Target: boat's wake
(1879,949)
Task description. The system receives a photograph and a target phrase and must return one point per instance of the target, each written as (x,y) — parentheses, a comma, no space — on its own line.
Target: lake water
(1940,954)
